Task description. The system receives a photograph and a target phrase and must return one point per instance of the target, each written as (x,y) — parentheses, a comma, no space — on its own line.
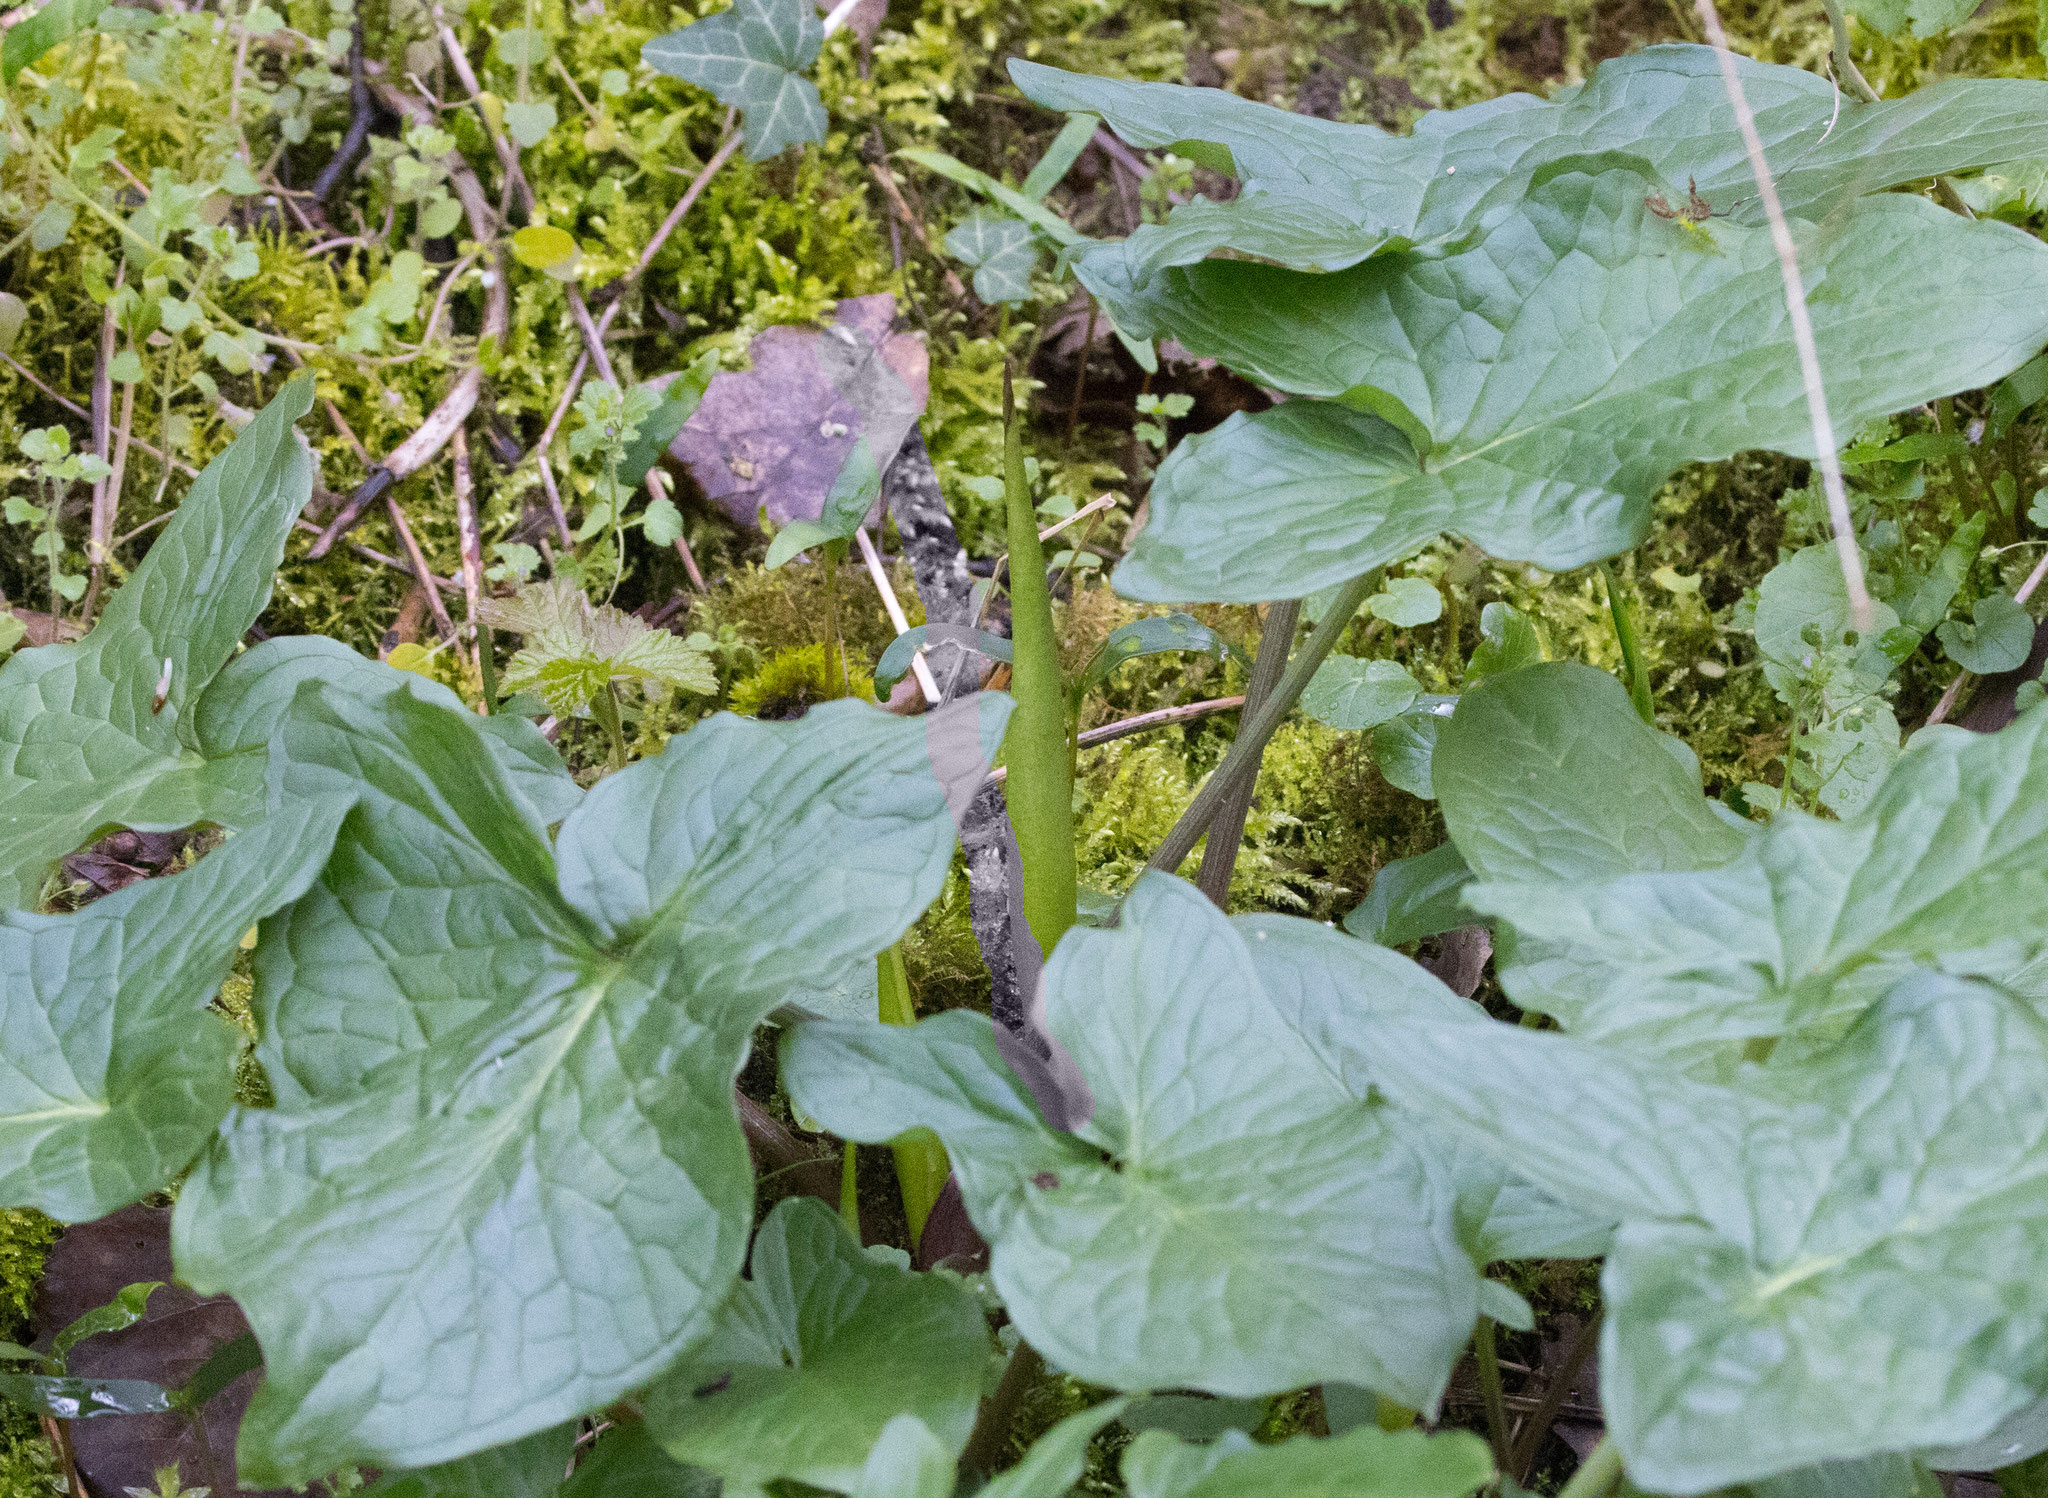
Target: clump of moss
(791,682)
(26,1469)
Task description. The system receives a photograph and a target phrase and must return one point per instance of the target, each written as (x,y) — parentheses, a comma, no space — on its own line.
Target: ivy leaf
(1352,694)
(752,58)
(1762,1221)
(1230,1219)
(1999,636)
(817,1351)
(504,1068)
(1678,940)
(1924,18)
(1003,252)
(574,649)
(1300,178)
(83,745)
(1364,1463)
(1544,427)
(128,1306)
(114,1076)
(54,24)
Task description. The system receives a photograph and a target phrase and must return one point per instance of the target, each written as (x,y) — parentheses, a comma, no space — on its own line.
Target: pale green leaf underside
(1696,952)
(1254,1226)
(1319,195)
(1842,1256)
(82,747)
(112,1076)
(504,1069)
(1562,361)
(816,1352)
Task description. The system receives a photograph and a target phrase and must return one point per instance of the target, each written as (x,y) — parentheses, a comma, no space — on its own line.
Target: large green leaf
(1231,1219)
(1528,772)
(752,58)
(1364,1463)
(1839,1256)
(112,1076)
(1323,984)
(530,1468)
(504,1069)
(1690,951)
(1547,373)
(1318,195)
(817,1351)
(84,746)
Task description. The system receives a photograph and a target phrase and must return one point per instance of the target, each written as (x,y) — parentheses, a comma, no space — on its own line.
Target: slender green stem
(835,670)
(1257,727)
(849,1191)
(1631,648)
(486,664)
(1486,1360)
(1040,788)
(1226,832)
(1845,64)
(1598,1475)
(921,1163)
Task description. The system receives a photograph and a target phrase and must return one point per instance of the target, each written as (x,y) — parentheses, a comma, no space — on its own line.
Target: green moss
(25,1463)
(795,680)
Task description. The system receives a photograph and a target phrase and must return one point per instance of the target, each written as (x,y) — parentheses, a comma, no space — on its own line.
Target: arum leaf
(83,745)
(1707,946)
(503,1067)
(751,58)
(56,23)
(907,1461)
(1155,636)
(1528,769)
(1414,897)
(114,1076)
(126,1308)
(1025,206)
(1364,1463)
(1761,1222)
(818,1350)
(680,398)
(1325,987)
(529,1468)
(84,1398)
(1003,252)
(895,662)
(1353,694)
(1319,195)
(1230,1219)
(1507,642)
(1404,745)
(1548,429)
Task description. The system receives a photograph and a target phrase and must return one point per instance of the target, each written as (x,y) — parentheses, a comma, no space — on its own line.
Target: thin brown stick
(955,287)
(1163,717)
(420,571)
(547,484)
(1860,609)
(719,158)
(593,336)
(383,559)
